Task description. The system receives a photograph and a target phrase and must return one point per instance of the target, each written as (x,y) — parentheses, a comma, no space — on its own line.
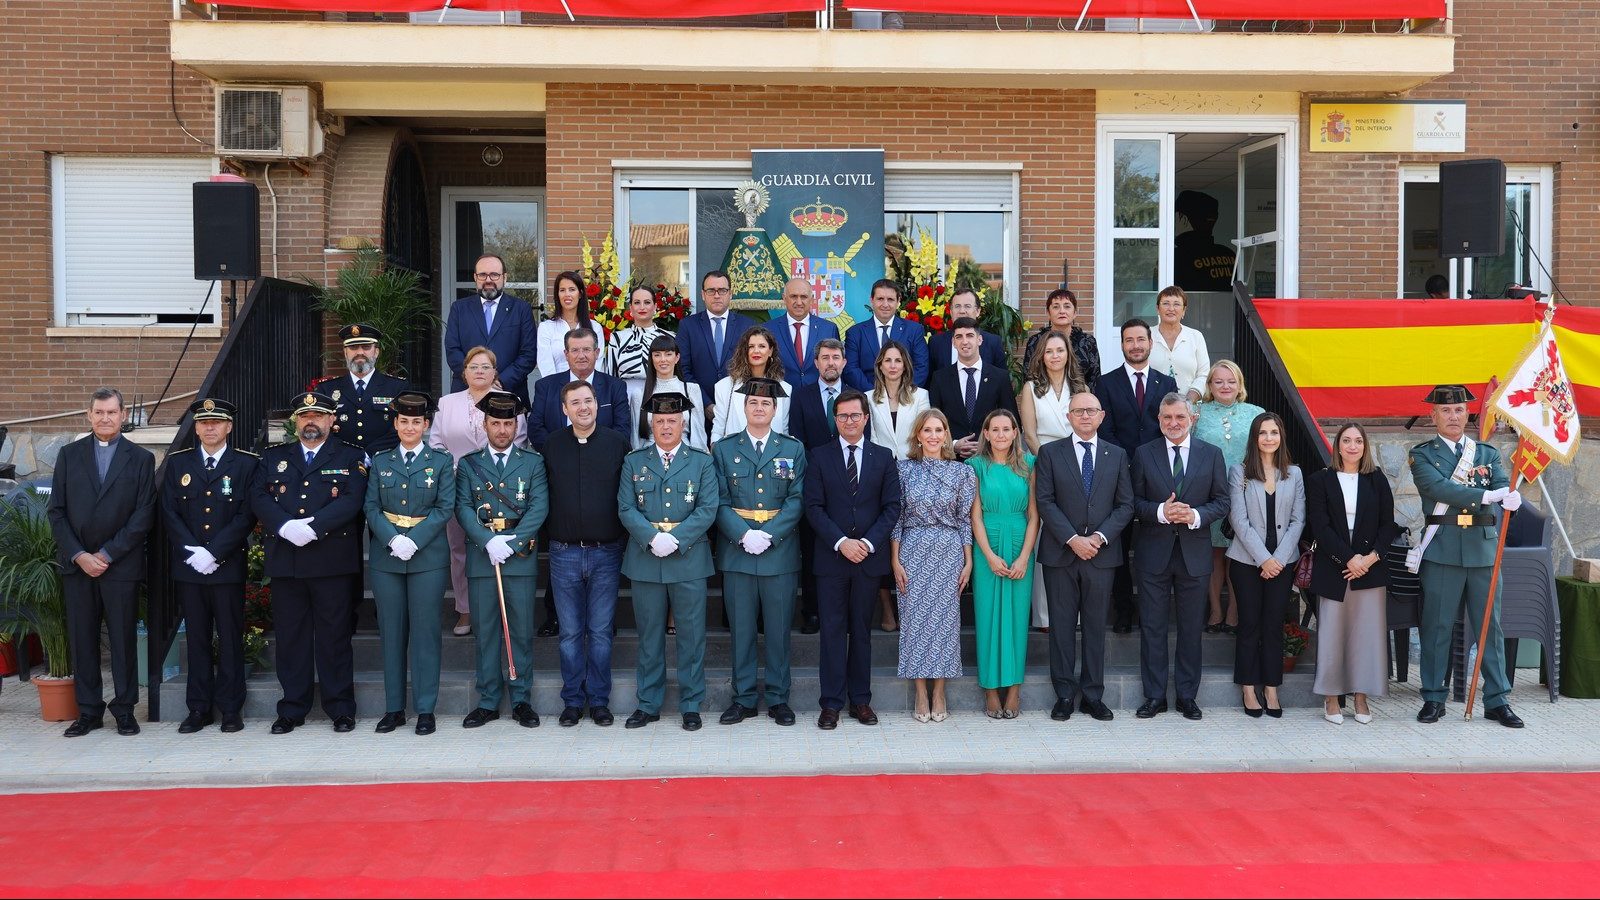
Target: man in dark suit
(942,350)
(811,423)
(363,394)
(969,390)
(205,501)
(1130,395)
(582,351)
(102,504)
(852,497)
(799,332)
(707,338)
(309,500)
(1180,487)
(492,318)
(864,339)
(1085,500)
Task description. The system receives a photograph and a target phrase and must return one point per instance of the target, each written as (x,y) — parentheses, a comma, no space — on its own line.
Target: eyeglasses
(849,417)
(716,291)
(480,367)
(490,276)
(1084,412)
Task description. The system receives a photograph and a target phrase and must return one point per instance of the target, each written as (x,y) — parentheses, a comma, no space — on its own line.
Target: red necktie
(1138,391)
(799,347)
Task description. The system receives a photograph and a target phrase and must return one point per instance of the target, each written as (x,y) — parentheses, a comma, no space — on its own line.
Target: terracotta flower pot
(1288,663)
(57,702)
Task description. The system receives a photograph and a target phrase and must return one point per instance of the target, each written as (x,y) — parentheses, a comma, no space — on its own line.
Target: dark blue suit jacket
(513,340)
(861,346)
(869,514)
(808,417)
(1124,425)
(798,372)
(1205,487)
(545,416)
(992,351)
(701,365)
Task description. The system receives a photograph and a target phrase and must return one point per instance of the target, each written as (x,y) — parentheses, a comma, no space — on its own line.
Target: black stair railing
(272,351)
(1271,387)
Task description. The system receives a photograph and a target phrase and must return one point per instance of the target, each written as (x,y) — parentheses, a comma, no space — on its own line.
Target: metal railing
(1272,388)
(273,350)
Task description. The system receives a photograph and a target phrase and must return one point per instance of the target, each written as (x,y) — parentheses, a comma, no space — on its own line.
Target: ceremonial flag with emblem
(1537,400)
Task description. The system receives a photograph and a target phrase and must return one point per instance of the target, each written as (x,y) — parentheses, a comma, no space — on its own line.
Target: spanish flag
(1578,332)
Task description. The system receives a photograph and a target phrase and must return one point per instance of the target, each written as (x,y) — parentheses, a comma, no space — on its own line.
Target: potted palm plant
(32,601)
(372,291)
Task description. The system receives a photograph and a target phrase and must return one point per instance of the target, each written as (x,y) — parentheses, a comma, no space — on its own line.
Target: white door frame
(448,198)
(1275,236)
(1540,230)
(1109,126)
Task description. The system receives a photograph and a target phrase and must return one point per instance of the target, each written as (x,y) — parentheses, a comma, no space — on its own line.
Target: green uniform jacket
(687,496)
(426,488)
(1431,464)
(772,482)
(523,495)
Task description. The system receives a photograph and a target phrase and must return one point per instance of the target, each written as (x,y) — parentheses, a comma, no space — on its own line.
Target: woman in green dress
(1005,525)
(1223,419)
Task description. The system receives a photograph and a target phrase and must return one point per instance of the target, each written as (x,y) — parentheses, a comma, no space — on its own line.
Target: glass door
(505,221)
(1259,261)
(1133,255)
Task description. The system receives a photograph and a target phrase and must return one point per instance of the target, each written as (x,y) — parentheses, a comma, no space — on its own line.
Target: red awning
(1234,10)
(582,9)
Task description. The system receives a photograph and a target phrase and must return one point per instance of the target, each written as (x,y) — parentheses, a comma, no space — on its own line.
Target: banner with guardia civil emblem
(820,214)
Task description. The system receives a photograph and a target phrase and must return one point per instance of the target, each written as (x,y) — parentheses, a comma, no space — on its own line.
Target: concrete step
(458,695)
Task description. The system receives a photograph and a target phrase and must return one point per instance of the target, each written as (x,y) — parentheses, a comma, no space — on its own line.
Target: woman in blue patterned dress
(1224,420)
(931,550)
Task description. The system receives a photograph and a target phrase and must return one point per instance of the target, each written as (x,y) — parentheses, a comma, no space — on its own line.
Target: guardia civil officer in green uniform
(501,501)
(759,475)
(411,494)
(667,501)
(1459,480)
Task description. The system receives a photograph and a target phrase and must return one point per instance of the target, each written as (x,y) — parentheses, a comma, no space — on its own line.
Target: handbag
(1302,569)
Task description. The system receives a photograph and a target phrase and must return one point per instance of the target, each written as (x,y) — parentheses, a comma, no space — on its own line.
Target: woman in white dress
(1177,349)
(896,403)
(756,356)
(666,377)
(1042,407)
(458,430)
(571,311)
(629,352)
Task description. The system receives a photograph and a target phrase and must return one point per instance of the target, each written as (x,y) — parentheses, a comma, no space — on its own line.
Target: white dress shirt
(861,452)
(1187,360)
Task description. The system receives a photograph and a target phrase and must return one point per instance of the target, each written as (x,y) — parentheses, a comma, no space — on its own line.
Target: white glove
(663,545)
(755,542)
(201,560)
(1495,496)
(498,548)
(1512,502)
(298,532)
(402,547)
(212,567)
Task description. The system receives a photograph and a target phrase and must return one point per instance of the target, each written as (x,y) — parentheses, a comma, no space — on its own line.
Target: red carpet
(1318,835)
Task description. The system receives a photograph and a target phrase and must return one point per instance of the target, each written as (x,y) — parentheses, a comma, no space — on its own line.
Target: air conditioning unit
(265,121)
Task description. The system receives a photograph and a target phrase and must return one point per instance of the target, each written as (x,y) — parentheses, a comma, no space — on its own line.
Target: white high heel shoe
(1336,718)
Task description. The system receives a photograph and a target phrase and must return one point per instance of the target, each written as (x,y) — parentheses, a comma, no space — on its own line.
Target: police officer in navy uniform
(363,393)
(309,500)
(205,502)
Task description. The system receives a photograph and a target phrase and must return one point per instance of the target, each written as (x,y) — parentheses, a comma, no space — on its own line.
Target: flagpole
(1488,605)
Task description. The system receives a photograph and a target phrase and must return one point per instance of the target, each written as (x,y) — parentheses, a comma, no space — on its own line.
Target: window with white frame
(1526,260)
(673,224)
(124,240)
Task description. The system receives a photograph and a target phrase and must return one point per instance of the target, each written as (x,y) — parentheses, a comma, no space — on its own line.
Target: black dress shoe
(479,717)
(736,713)
(781,714)
(1504,716)
(640,719)
(525,716)
(283,725)
(1190,710)
(1151,708)
(194,722)
(1096,710)
(126,725)
(1062,711)
(863,713)
(810,625)
(232,723)
(828,719)
(570,716)
(691,721)
(601,715)
(1431,712)
(550,628)
(426,724)
(390,721)
(83,726)
(344,724)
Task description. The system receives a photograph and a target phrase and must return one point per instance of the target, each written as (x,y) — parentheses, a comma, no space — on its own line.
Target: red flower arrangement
(928,306)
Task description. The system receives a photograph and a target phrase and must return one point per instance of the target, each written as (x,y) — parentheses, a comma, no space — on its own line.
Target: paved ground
(1561,737)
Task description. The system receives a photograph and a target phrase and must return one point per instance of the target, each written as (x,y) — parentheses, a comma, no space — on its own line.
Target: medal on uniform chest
(334,491)
(184,481)
(283,489)
(429,481)
(337,395)
(736,459)
(227,486)
(522,490)
(783,467)
(688,495)
(283,465)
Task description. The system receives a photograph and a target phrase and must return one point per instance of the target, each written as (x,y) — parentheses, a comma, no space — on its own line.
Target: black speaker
(227,231)
(1472,208)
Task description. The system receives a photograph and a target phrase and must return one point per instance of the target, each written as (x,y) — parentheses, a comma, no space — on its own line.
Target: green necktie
(1177,467)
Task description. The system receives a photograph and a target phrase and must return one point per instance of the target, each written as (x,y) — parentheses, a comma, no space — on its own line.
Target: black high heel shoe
(1252,713)
(1274,713)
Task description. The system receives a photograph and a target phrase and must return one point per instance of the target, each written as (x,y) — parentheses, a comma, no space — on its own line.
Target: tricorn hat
(1449,393)
(762,387)
(666,403)
(500,405)
(412,403)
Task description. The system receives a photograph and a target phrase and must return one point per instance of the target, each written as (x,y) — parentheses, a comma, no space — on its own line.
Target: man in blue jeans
(584,467)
